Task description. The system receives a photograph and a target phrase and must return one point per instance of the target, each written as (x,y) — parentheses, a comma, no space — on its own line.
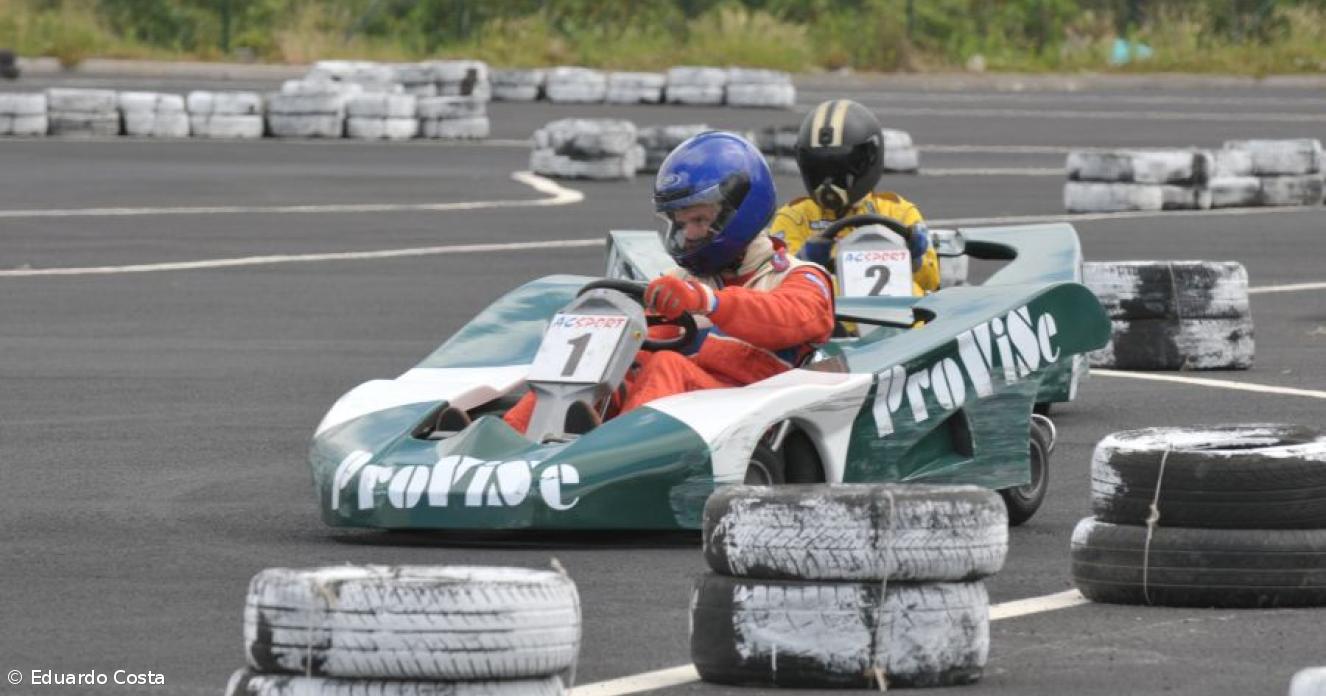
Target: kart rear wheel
(766,468)
(1023,501)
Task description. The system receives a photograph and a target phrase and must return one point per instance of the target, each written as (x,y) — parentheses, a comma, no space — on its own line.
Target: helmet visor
(692,223)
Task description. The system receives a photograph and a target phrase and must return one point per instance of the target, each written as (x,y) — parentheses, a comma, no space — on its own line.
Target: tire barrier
(659,141)
(1241,173)
(1220,516)
(951,247)
(1173,315)
(518,85)
(83,112)
(154,115)
(759,88)
(225,114)
(579,148)
(635,88)
(697,86)
(846,586)
(572,85)
(382,116)
(778,143)
(23,114)
(900,154)
(310,109)
(409,630)
(453,117)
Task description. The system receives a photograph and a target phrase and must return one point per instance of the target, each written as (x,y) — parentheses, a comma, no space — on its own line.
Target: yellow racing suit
(803,218)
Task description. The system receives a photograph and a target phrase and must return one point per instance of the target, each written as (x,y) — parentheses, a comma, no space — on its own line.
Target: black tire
(446,623)
(911,532)
(1178,344)
(801,461)
(1222,477)
(1042,408)
(1023,501)
(766,467)
(1131,290)
(812,634)
(1229,568)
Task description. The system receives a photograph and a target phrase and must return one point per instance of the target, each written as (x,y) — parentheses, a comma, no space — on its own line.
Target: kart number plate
(875,273)
(578,348)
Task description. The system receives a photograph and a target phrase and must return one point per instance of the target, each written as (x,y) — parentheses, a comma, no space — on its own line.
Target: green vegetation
(1226,36)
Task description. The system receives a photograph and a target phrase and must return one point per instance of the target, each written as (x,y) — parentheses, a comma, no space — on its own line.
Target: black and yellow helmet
(840,152)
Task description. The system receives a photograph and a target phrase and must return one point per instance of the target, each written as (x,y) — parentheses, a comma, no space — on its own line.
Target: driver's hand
(817,250)
(918,244)
(671,297)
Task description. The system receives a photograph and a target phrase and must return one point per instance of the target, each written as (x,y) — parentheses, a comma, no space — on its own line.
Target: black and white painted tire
(516,93)
(227,103)
(307,104)
(1281,157)
(412,622)
(1191,167)
(24,125)
(587,138)
(902,159)
(517,85)
(779,141)
(1178,344)
(635,88)
(547,162)
(1176,197)
(150,102)
(150,124)
(437,108)
(694,95)
(784,165)
(1235,191)
(859,532)
(248,683)
(757,76)
(381,128)
(306,125)
(1188,567)
(667,137)
(702,76)
(953,261)
(383,106)
(1104,197)
(1305,189)
(1169,289)
(1231,162)
(100,124)
(1225,477)
(1309,682)
(23,104)
(73,100)
(761,95)
(455,128)
(575,85)
(226,126)
(788,633)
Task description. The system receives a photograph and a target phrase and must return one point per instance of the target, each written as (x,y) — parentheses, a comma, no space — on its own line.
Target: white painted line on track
(1186,116)
(1078,98)
(685,674)
(1217,383)
(1129,215)
(995,171)
(1011,149)
(556,195)
(302,258)
(1296,287)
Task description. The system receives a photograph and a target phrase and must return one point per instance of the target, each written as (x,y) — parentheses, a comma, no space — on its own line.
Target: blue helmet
(720,169)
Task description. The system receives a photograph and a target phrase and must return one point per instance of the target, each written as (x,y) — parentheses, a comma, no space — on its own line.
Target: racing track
(154,425)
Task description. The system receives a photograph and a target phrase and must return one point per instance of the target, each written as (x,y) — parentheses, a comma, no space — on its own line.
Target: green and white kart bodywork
(949,402)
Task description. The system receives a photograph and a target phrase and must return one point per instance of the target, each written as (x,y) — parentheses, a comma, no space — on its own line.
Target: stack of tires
(1173,315)
(635,88)
(310,109)
(846,586)
(659,141)
(900,153)
(225,114)
(154,115)
(454,117)
(696,85)
(572,85)
(1268,172)
(1221,516)
(382,116)
(760,88)
(372,77)
(23,113)
(778,144)
(1123,180)
(585,148)
(462,78)
(518,85)
(92,112)
(398,631)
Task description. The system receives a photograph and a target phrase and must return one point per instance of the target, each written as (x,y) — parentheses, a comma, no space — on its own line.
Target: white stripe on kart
(685,674)
(556,195)
(1217,383)
(1295,287)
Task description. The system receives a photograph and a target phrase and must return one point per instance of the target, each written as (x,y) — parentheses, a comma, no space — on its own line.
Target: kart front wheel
(1023,501)
(766,468)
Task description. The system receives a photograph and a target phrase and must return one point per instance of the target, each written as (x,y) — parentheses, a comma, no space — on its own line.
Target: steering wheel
(831,232)
(636,291)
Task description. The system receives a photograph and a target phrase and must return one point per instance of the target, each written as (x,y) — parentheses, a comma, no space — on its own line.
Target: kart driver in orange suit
(761,311)
(840,154)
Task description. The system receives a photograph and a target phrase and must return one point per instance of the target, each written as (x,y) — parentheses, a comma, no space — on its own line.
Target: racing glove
(918,244)
(816,249)
(671,297)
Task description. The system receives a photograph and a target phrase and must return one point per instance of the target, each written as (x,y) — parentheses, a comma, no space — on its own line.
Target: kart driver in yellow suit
(840,153)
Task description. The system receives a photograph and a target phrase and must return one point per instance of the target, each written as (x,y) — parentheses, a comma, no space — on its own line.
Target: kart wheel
(766,468)
(1023,501)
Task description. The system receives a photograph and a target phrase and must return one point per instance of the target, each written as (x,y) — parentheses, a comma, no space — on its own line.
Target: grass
(872,37)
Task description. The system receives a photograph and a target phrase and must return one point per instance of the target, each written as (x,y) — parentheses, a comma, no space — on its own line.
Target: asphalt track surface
(154,425)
